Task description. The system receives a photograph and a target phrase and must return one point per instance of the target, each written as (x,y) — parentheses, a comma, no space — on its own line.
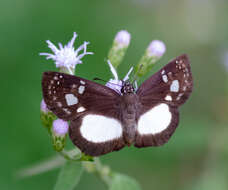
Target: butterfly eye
(122,90)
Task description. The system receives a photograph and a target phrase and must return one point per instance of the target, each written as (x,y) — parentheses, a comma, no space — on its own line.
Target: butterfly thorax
(128,113)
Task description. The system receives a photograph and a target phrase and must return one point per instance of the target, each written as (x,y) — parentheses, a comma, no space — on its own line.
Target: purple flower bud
(60,127)
(43,106)
(156,48)
(123,38)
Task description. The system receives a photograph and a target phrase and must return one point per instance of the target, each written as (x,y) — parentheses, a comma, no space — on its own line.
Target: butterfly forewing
(172,84)
(93,110)
(69,96)
(159,97)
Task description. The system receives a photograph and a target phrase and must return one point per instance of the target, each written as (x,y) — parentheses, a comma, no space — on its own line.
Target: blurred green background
(196,156)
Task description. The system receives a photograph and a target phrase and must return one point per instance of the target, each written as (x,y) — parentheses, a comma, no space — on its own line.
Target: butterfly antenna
(99,79)
(106,81)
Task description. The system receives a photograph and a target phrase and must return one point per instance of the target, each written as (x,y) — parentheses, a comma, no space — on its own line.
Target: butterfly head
(127,88)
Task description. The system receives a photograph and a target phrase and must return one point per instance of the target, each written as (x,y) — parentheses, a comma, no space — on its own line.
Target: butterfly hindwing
(159,97)
(97,134)
(93,111)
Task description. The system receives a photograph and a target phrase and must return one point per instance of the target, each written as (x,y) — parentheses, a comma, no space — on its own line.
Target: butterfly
(103,120)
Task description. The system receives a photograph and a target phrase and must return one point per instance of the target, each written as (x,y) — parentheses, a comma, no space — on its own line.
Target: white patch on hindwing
(155,120)
(71,99)
(98,128)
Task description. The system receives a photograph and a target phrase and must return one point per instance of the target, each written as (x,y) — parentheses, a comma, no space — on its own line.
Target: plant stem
(103,171)
(41,167)
(100,170)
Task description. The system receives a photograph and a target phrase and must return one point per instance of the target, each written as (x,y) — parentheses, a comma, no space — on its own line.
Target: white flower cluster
(115,83)
(66,56)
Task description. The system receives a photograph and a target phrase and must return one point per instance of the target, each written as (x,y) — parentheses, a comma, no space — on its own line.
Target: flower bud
(115,83)
(46,116)
(119,47)
(156,48)
(153,53)
(60,127)
(59,131)
(43,106)
(122,38)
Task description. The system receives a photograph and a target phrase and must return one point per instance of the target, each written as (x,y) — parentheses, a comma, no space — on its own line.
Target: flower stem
(100,170)
(103,171)
(75,155)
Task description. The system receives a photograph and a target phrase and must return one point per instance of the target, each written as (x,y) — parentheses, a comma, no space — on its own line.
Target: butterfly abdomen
(128,115)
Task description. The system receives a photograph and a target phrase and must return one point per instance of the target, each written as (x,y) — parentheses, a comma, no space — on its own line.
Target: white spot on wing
(81,89)
(168,98)
(82,82)
(165,78)
(71,99)
(81,109)
(59,104)
(179,96)
(67,111)
(163,72)
(155,120)
(174,87)
(74,86)
(98,128)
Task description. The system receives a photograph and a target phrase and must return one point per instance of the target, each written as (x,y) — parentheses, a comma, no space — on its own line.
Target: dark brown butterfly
(102,120)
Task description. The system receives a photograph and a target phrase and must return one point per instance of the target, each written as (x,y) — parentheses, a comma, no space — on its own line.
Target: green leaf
(69,176)
(123,182)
